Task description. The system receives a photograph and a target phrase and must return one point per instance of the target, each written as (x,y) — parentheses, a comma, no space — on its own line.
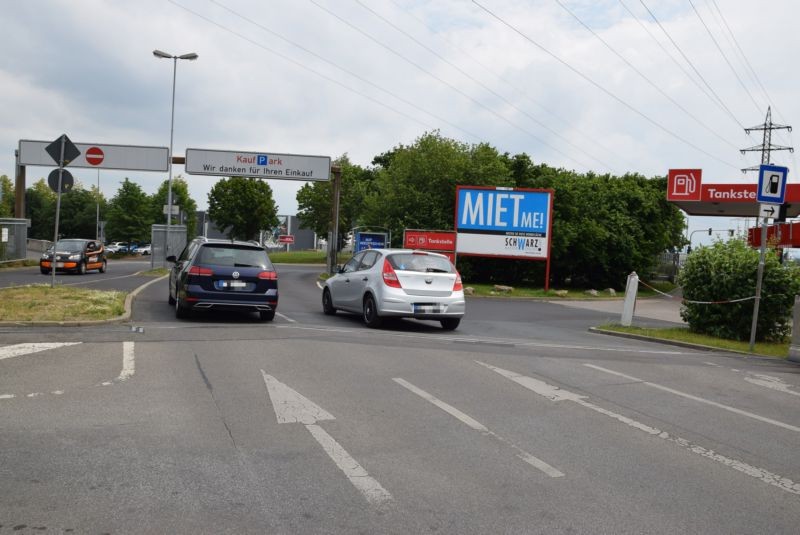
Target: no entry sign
(94,155)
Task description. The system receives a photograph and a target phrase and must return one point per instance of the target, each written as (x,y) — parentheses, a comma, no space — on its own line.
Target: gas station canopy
(686,191)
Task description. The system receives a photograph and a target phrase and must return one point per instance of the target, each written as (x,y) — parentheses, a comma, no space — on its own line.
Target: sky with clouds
(582,84)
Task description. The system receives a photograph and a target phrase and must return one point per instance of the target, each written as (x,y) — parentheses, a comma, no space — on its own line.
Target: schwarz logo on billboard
(505,222)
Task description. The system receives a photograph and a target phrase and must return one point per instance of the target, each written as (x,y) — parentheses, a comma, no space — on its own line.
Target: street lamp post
(191,57)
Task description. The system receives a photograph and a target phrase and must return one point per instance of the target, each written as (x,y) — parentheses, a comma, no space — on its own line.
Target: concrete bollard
(794,345)
(629,305)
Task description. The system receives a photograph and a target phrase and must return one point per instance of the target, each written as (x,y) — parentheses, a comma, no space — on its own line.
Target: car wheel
(44,271)
(267,315)
(82,268)
(371,317)
(103,267)
(450,324)
(170,299)
(180,310)
(327,303)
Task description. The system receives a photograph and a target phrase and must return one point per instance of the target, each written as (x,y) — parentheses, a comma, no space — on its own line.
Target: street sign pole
(58,212)
(759,277)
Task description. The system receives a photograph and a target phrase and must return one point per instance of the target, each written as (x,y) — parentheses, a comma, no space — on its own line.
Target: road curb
(125,316)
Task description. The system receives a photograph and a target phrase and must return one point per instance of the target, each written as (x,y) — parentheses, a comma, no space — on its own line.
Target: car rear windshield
(420,262)
(233,256)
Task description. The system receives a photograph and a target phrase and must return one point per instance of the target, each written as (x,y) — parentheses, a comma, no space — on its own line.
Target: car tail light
(458,285)
(268,275)
(200,271)
(389,276)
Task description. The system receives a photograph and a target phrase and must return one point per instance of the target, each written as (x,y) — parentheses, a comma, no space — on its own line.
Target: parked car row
(128,248)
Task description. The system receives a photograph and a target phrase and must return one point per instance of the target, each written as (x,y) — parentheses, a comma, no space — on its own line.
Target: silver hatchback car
(380,283)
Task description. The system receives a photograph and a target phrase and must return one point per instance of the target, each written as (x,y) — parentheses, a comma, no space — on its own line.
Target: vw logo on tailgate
(235,274)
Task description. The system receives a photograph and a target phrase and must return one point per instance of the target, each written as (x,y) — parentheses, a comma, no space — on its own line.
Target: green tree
(725,272)
(241,207)
(314,199)
(180,197)
(128,212)
(416,188)
(40,208)
(78,216)
(6,197)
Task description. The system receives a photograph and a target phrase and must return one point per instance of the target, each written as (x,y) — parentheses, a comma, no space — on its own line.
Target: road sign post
(63,151)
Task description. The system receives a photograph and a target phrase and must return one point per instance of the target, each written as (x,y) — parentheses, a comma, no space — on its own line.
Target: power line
(691,64)
(724,56)
(447,84)
(521,92)
(643,76)
(481,84)
(678,64)
(603,89)
(321,75)
(275,33)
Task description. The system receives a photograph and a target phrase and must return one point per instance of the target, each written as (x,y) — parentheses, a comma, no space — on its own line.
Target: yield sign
(94,155)
(70,150)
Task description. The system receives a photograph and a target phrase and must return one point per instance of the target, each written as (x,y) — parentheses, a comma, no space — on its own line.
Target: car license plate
(59,264)
(427,308)
(221,285)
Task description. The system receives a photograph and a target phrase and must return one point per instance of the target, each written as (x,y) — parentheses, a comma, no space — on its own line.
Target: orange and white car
(75,255)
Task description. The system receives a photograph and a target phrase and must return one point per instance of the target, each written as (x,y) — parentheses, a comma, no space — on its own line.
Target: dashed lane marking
(556,394)
(477,426)
(699,399)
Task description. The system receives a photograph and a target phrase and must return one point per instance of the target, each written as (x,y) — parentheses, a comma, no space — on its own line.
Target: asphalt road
(521,421)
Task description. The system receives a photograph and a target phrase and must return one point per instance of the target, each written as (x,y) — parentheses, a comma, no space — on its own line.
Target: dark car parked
(223,275)
(75,255)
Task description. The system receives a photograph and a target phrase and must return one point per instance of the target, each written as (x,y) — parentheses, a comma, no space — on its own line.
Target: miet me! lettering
(494,209)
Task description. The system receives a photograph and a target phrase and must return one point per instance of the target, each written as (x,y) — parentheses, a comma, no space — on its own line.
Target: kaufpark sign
(504,222)
(257,165)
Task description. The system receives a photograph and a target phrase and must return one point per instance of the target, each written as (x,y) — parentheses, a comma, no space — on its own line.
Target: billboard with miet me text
(504,222)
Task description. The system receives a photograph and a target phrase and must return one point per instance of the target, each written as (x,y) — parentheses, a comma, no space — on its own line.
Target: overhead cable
(603,89)
(448,84)
(686,58)
(481,84)
(645,78)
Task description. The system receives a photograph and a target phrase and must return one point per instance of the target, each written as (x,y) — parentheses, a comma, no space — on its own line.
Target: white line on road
(94,281)
(367,485)
(555,393)
(775,383)
(18,350)
(292,407)
(128,362)
(474,424)
(287,318)
(699,399)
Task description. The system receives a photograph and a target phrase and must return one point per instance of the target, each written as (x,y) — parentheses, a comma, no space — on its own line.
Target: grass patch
(155,272)
(27,262)
(682,334)
(43,303)
(305,257)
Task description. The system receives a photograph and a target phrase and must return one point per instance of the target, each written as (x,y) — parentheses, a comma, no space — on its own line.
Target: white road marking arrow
(292,407)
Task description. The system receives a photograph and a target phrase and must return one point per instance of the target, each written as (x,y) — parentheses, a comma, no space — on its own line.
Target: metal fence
(13,239)
(177,241)
(668,265)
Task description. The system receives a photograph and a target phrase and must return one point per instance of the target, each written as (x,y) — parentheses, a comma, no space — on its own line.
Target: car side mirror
(339,268)
(171,258)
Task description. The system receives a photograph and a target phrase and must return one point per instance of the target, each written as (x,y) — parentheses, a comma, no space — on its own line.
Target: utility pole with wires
(766,146)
